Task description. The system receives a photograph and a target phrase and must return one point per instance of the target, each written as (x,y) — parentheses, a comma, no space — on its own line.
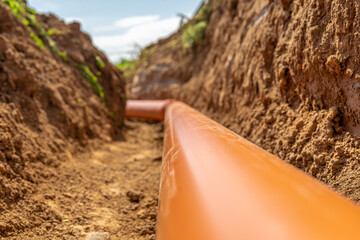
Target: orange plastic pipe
(147,109)
(217,185)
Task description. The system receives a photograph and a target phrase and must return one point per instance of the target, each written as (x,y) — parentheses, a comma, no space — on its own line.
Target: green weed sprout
(54,31)
(194,33)
(37,40)
(63,56)
(92,79)
(28,17)
(172,43)
(99,62)
(128,66)
(16,6)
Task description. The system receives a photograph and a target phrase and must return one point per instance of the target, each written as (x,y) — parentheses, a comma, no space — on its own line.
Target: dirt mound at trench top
(283,74)
(59,95)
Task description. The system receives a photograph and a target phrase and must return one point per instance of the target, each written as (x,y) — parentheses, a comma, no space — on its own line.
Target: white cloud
(117,45)
(127,23)
(44,6)
(140,34)
(133,21)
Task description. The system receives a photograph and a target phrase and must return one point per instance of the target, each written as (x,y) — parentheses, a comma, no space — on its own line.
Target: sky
(118,26)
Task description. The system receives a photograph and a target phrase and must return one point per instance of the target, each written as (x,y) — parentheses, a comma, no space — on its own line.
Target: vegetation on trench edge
(92,79)
(129,66)
(192,36)
(28,17)
(194,33)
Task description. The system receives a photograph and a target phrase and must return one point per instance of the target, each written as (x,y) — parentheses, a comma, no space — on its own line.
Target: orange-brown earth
(283,74)
(113,190)
(50,114)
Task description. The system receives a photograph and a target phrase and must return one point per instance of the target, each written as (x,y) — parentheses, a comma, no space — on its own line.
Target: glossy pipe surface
(146,109)
(217,185)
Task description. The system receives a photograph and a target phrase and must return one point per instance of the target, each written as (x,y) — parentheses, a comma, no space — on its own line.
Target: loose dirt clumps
(283,74)
(49,109)
(112,192)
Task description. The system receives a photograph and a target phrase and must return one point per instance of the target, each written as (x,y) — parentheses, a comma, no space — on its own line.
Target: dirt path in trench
(111,190)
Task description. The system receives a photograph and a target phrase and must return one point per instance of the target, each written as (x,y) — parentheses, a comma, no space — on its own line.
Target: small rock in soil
(152,216)
(133,196)
(143,232)
(98,236)
(158,158)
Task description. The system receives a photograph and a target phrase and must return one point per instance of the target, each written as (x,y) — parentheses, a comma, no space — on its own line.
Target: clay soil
(113,190)
(283,74)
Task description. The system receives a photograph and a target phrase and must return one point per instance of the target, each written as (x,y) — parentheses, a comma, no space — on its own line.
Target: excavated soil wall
(283,74)
(49,109)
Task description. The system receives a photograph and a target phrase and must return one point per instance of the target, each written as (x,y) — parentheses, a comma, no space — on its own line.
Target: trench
(113,190)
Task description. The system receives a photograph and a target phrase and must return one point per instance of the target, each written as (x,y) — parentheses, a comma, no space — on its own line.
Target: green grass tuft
(194,33)
(28,17)
(92,79)
(128,66)
(63,56)
(54,31)
(99,62)
(37,40)
(17,7)
(172,43)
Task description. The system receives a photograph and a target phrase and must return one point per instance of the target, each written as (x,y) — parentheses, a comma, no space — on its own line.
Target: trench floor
(112,190)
